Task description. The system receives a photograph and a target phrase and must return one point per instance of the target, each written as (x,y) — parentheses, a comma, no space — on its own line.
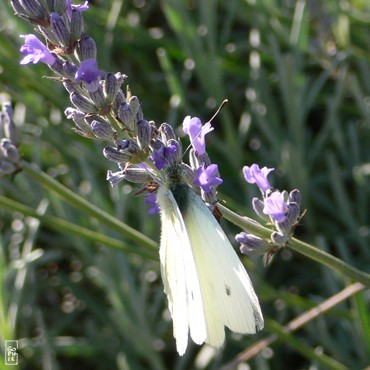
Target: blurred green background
(297,77)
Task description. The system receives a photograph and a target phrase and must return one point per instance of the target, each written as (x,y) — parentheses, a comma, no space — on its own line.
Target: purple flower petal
(208,177)
(275,206)
(255,175)
(151,200)
(162,155)
(89,74)
(193,127)
(35,51)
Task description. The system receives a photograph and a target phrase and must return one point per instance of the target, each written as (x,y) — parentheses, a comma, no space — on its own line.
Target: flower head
(207,177)
(255,175)
(89,74)
(35,51)
(275,206)
(193,127)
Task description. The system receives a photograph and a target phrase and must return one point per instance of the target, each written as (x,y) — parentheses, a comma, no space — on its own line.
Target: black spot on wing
(227,290)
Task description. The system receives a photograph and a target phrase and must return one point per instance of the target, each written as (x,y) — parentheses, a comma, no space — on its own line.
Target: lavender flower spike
(193,127)
(275,206)
(89,74)
(255,175)
(35,51)
(208,177)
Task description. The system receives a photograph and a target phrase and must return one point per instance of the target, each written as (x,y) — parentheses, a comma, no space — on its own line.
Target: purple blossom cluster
(280,209)
(144,153)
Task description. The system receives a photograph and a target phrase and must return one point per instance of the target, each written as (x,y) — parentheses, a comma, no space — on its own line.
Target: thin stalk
(307,250)
(71,229)
(85,206)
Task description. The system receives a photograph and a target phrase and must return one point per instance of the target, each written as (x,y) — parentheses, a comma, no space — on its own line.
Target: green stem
(307,250)
(245,223)
(307,351)
(328,260)
(71,229)
(77,201)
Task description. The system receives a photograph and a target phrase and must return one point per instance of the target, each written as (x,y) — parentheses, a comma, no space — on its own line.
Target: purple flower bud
(136,108)
(82,103)
(35,51)
(78,118)
(57,66)
(167,132)
(31,9)
(193,127)
(134,173)
(126,116)
(252,244)
(110,87)
(89,74)
(255,175)
(48,33)
(293,213)
(208,177)
(258,206)
(98,97)
(295,196)
(61,29)
(19,9)
(126,151)
(144,131)
(72,113)
(57,6)
(79,8)
(196,160)
(102,130)
(116,155)
(177,153)
(86,48)
(286,226)
(77,25)
(279,239)
(119,100)
(275,206)
(69,70)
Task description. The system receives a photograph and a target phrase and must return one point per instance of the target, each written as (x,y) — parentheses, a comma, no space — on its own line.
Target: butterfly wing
(180,278)
(227,292)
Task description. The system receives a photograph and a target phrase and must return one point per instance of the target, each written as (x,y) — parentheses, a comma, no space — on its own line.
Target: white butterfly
(206,284)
